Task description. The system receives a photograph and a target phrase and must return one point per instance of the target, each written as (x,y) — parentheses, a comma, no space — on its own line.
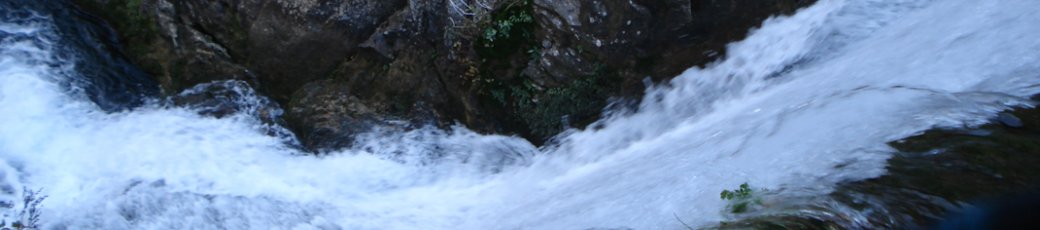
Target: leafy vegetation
(743,193)
(506,45)
(502,28)
(574,104)
(740,199)
(508,31)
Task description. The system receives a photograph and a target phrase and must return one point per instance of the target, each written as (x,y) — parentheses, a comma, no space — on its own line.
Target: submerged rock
(232,97)
(225,98)
(1009,120)
(933,174)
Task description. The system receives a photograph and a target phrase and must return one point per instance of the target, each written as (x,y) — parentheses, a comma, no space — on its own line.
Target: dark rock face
(328,116)
(643,38)
(527,67)
(593,50)
(932,175)
(111,81)
(174,52)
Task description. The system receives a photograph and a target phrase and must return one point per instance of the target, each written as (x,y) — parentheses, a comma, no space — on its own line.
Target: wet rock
(504,66)
(378,50)
(1009,120)
(225,98)
(641,38)
(326,116)
(103,74)
(934,174)
(179,55)
(586,52)
(222,99)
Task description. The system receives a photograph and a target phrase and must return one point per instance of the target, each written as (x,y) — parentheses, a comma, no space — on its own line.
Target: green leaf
(489,34)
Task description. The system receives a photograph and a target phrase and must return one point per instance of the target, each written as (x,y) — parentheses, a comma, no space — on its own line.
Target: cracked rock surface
(338,63)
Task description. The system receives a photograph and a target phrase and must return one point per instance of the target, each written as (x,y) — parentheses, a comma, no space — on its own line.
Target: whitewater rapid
(803,103)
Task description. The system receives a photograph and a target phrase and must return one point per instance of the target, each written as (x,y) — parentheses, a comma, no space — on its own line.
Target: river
(805,102)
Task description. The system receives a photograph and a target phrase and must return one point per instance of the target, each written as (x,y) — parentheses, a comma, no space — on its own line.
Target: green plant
(743,193)
(545,111)
(506,44)
(502,28)
(740,200)
(507,31)
(503,37)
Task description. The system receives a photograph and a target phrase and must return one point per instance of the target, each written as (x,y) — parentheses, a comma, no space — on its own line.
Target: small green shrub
(740,200)
(743,193)
(508,31)
(506,45)
(502,28)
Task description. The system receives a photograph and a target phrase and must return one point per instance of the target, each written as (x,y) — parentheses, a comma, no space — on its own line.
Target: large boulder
(526,67)
(101,73)
(583,52)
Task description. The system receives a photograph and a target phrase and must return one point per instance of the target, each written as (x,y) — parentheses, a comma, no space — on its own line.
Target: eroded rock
(503,66)
(327,116)
(236,98)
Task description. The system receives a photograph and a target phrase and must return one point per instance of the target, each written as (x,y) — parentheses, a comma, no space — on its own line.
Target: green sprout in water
(743,193)
(740,199)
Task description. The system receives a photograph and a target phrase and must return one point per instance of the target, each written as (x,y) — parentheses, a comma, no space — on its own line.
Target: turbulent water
(803,103)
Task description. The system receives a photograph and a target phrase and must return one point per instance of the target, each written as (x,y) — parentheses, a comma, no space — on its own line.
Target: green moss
(506,46)
(580,101)
(509,31)
(543,112)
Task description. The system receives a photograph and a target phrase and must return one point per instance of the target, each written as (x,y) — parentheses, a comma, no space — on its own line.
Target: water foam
(805,102)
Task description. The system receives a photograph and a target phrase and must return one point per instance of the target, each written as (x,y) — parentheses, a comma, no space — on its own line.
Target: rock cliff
(525,67)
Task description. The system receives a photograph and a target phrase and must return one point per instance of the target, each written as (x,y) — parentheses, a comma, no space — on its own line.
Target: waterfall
(805,102)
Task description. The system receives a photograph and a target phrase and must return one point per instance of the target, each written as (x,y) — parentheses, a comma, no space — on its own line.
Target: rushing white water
(805,102)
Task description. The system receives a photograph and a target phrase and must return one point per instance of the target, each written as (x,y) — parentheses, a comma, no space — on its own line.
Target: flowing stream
(805,102)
